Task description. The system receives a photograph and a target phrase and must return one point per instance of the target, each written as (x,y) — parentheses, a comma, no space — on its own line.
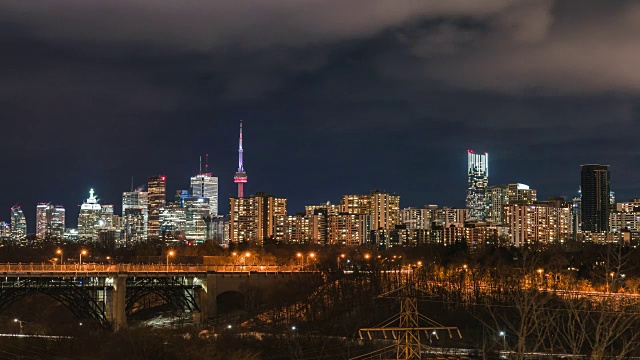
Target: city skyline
(169,192)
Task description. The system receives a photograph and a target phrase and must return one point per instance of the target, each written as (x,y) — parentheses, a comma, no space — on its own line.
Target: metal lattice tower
(406,327)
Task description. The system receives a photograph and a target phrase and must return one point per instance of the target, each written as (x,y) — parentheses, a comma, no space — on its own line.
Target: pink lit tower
(241,177)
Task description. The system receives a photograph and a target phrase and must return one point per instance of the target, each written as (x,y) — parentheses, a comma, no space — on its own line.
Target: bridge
(108,293)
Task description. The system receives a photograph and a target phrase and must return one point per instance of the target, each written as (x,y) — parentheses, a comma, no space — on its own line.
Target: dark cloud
(337,96)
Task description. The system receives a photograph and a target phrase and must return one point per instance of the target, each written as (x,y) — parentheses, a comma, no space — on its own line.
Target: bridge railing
(132,268)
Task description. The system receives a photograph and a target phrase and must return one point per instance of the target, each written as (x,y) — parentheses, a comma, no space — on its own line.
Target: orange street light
(59,252)
(169,253)
(83,252)
(367,256)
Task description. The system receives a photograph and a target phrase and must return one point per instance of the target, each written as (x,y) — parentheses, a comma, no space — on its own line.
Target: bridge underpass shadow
(43,314)
(230,302)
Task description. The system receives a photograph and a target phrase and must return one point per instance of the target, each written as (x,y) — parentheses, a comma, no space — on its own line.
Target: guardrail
(147,268)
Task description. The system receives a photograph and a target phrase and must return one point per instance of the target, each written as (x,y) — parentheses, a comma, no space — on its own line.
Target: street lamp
(503,335)
(299,255)
(367,256)
(59,252)
(540,271)
(20,322)
(169,253)
(83,252)
(244,258)
(342,256)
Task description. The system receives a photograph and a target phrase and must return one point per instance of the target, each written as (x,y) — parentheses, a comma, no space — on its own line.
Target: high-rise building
(197,219)
(356,204)
(18,224)
(415,218)
(41,220)
(347,229)
(478,181)
(297,229)
(385,210)
(56,222)
(89,217)
(545,222)
(5,231)
(135,215)
(157,193)
(241,176)
(595,202)
(205,186)
(256,218)
(500,195)
(50,221)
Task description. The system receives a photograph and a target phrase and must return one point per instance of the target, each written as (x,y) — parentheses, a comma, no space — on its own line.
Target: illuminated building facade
(298,229)
(5,231)
(473,234)
(385,210)
(478,181)
(539,223)
(157,193)
(347,229)
(197,218)
(173,223)
(595,199)
(500,195)
(206,186)
(50,221)
(135,216)
(90,213)
(41,220)
(256,218)
(415,218)
(56,222)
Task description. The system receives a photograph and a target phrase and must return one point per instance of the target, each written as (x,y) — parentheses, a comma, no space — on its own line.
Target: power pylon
(407,326)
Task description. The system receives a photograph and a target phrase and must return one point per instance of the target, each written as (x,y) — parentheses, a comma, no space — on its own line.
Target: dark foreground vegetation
(576,301)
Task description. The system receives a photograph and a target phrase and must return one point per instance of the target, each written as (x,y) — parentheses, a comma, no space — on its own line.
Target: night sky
(337,96)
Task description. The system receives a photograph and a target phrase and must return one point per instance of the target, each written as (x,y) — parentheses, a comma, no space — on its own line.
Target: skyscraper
(50,221)
(56,221)
(205,186)
(135,215)
(478,181)
(18,224)
(595,202)
(241,176)
(256,218)
(41,220)
(157,189)
(88,218)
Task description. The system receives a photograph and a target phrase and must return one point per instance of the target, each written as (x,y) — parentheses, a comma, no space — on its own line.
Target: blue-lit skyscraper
(478,182)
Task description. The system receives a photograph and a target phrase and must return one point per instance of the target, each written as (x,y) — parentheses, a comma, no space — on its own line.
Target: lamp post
(59,252)
(503,335)
(169,253)
(541,271)
(342,256)
(235,255)
(19,322)
(83,252)
(244,258)
(610,274)
(299,255)
(312,256)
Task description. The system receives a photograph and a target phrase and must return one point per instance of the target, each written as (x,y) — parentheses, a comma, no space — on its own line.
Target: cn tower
(241,177)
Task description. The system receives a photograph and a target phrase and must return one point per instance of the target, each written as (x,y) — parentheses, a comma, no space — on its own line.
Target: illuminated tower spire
(241,177)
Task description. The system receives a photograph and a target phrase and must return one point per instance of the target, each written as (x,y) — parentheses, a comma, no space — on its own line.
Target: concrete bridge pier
(119,300)
(207,297)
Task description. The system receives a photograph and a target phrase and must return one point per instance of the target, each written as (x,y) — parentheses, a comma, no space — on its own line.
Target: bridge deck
(139,269)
